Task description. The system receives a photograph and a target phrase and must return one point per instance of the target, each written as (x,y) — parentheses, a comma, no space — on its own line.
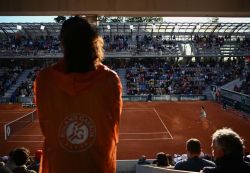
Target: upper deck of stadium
(176,39)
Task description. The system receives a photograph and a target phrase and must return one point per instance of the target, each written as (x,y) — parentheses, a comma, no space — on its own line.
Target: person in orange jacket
(79,105)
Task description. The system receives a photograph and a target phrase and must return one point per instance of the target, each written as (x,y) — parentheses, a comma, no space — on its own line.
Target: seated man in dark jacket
(227,148)
(194,162)
(21,157)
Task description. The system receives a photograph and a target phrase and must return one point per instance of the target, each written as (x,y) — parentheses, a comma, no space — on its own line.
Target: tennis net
(15,125)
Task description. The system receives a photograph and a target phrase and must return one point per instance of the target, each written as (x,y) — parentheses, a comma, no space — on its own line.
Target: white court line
(20,117)
(141,109)
(5,122)
(143,139)
(25,141)
(163,123)
(11,111)
(140,139)
(142,133)
(26,135)
(137,110)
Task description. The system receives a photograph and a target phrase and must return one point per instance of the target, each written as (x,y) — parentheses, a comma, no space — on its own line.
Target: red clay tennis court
(146,127)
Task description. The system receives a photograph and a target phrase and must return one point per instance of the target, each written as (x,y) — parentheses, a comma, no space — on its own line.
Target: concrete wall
(126,166)
(153,169)
(127,7)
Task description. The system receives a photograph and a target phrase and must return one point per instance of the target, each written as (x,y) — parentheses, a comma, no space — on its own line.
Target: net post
(32,116)
(5,132)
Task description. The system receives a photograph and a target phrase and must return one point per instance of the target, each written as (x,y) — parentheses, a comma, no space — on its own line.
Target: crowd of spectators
(116,42)
(136,44)
(26,87)
(20,161)
(23,45)
(208,41)
(10,71)
(139,44)
(232,69)
(159,77)
(150,76)
(8,78)
(228,155)
(162,80)
(243,45)
(245,85)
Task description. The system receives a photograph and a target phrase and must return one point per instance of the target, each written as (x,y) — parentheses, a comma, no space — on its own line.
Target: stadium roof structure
(182,33)
(199,8)
(30,29)
(184,28)
(177,28)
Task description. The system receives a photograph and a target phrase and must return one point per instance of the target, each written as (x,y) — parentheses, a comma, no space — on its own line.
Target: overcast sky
(26,19)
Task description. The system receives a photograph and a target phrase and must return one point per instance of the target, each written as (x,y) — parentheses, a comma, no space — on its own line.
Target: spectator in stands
(161,159)
(5,169)
(224,104)
(247,157)
(193,162)
(10,162)
(36,163)
(21,158)
(218,95)
(149,97)
(170,161)
(2,162)
(143,160)
(79,116)
(227,147)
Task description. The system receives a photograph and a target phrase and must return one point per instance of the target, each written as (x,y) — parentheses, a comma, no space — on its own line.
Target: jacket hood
(75,83)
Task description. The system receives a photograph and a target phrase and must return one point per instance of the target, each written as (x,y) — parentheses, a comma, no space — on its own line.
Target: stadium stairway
(208,93)
(122,74)
(230,85)
(22,77)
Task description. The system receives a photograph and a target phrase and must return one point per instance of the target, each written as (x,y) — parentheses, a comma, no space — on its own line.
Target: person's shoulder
(210,169)
(110,73)
(180,164)
(247,166)
(45,72)
(107,69)
(208,162)
(31,171)
(4,169)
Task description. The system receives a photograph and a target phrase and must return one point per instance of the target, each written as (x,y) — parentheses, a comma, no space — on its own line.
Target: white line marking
(25,141)
(27,135)
(20,117)
(13,112)
(163,123)
(142,133)
(140,109)
(149,139)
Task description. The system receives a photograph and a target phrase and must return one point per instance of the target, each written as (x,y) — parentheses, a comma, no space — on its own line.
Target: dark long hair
(83,47)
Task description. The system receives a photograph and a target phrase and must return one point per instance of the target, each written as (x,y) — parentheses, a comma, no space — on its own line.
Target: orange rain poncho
(79,115)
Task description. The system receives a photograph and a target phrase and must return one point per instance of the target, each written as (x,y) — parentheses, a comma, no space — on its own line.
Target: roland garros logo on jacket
(77,133)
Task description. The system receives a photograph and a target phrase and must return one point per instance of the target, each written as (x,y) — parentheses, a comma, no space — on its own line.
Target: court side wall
(130,166)
(154,169)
